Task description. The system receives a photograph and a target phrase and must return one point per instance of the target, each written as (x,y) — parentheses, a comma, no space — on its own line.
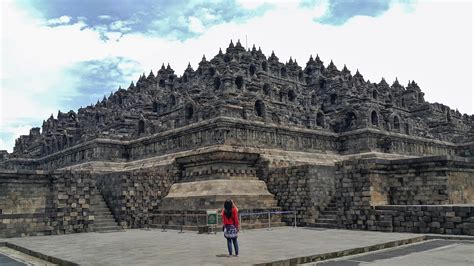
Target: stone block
(63,196)
(450,214)
(435,225)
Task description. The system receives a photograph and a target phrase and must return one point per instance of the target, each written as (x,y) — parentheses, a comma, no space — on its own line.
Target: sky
(61,55)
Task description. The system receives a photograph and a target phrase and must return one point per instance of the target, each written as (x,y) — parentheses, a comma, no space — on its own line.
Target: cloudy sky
(61,55)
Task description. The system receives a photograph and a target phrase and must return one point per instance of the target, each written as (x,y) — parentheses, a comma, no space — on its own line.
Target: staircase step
(110,217)
(99,205)
(101,218)
(104,220)
(105,224)
(101,209)
(329,212)
(102,213)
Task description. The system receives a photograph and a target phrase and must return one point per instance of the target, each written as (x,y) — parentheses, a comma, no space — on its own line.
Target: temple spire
(345,70)
(189,68)
(396,83)
(151,75)
(238,44)
(358,75)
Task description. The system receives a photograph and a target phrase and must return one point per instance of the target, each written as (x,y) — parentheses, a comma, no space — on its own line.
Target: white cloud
(207,15)
(251,4)
(120,25)
(104,17)
(431,44)
(195,25)
(59,21)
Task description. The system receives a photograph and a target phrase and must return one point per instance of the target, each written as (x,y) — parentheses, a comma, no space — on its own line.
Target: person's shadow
(222,255)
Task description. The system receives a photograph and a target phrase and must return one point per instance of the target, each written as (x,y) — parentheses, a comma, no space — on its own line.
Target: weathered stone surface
(206,180)
(407,195)
(317,140)
(320,107)
(133,197)
(37,203)
(305,189)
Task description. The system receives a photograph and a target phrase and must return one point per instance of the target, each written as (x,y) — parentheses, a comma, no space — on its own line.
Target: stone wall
(25,203)
(23,193)
(368,191)
(466,150)
(452,219)
(133,196)
(71,196)
(94,150)
(44,203)
(241,133)
(430,181)
(375,140)
(306,189)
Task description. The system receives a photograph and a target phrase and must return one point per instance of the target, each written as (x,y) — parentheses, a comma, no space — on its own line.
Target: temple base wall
(133,196)
(387,195)
(305,189)
(37,203)
(428,194)
(244,134)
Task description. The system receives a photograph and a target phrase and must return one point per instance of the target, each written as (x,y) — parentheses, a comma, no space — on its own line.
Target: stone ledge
(24,215)
(342,253)
(39,255)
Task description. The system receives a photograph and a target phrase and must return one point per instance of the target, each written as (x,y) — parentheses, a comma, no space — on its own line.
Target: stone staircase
(328,217)
(104,220)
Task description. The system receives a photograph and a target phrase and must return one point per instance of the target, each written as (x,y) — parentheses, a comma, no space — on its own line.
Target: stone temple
(339,150)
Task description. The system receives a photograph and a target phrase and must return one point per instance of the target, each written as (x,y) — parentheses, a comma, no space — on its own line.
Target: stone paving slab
(153,247)
(427,253)
(11,257)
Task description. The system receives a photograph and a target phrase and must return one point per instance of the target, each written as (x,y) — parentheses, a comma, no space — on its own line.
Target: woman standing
(230,221)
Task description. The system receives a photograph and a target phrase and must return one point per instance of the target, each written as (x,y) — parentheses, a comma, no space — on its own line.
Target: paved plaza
(429,253)
(154,247)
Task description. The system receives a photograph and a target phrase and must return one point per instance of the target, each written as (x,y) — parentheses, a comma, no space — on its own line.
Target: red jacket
(234,219)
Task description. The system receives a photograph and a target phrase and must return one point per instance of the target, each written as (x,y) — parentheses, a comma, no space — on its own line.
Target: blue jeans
(236,245)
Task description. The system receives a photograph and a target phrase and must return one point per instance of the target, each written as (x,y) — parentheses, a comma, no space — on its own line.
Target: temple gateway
(335,148)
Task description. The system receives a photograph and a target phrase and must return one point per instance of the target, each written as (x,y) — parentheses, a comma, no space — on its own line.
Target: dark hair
(228,208)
